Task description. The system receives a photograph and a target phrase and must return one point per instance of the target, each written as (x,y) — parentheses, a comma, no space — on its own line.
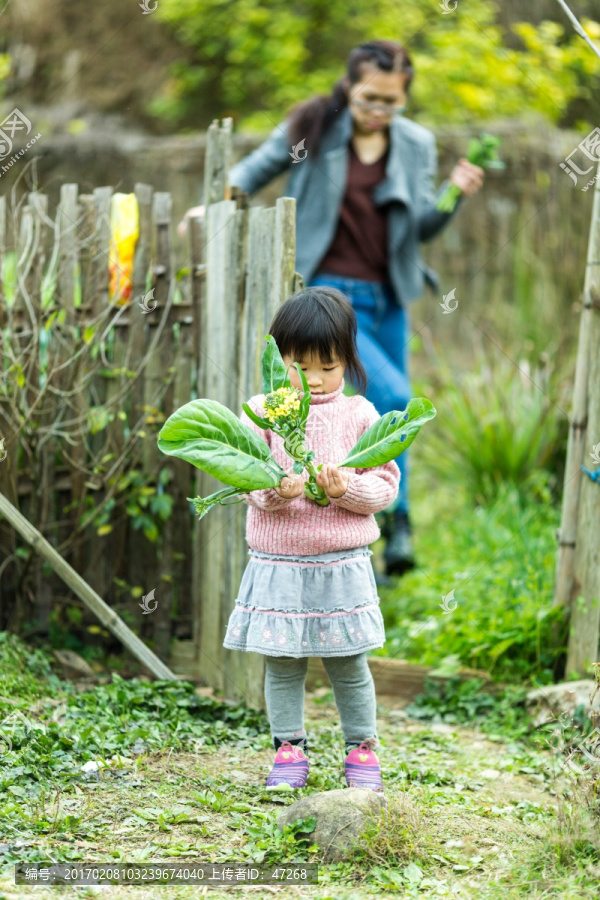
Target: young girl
(309,588)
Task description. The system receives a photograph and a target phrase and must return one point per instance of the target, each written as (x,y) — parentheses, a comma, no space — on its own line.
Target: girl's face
(373,99)
(322,378)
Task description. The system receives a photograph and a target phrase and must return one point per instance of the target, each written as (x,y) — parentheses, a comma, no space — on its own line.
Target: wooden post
(143,562)
(105,555)
(161,620)
(585,598)
(217,161)
(564,583)
(269,281)
(41,503)
(219,352)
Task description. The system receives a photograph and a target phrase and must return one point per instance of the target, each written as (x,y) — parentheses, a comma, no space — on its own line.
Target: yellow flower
(281,405)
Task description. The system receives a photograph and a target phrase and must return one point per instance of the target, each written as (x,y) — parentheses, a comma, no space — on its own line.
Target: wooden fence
(87,385)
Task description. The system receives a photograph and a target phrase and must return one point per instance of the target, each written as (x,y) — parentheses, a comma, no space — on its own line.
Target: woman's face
(376,87)
(322,378)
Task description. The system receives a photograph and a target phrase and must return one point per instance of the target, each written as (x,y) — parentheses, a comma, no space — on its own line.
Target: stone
(341,816)
(550,701)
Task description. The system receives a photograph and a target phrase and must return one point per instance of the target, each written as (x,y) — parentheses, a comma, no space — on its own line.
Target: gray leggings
(353,690)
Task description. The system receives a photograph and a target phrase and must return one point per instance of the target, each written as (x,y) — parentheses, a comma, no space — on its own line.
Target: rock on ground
(553,700)
(341,816)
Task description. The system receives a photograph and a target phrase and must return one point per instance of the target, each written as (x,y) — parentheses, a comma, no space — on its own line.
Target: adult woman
(363,179)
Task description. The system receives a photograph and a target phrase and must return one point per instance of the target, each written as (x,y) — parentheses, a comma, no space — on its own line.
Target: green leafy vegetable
(274,370)
(390,436)
(212,438)
(209,436)
(480,152)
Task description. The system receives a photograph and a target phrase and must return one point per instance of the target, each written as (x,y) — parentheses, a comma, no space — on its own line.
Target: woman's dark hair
(320,321)
(311,118)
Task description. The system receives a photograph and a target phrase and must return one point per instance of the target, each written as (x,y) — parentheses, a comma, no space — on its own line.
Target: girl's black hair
(320,321)
(311,118)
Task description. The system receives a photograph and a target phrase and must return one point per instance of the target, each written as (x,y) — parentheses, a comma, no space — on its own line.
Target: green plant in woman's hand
(481,152)
(211,437)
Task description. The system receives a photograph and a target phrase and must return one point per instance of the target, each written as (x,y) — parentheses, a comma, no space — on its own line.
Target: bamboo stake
(105,614)
(584,623)
(567,534)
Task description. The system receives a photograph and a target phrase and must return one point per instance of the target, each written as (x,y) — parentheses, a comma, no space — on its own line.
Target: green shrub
(25,673)
(497,424)
(495,567)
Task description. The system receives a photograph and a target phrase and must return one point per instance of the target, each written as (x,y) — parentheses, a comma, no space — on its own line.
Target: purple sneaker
(290,767)
(362,769)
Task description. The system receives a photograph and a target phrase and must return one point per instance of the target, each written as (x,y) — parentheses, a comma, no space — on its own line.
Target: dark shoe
(398,555)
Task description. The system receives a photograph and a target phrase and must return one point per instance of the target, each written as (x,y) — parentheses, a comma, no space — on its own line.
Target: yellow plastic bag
(124,232)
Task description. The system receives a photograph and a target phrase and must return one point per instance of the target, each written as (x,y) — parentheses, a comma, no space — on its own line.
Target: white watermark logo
(271,468)
(15,123)
(589,147)
(296,158)
(445,6)
(446,304)
(8,725)
(317,421)
(147,9)
(144,305)
(447,601)
(145,604)
(595,454)
(591,756)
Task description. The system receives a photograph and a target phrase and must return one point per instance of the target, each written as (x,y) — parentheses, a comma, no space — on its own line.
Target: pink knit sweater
(300,526)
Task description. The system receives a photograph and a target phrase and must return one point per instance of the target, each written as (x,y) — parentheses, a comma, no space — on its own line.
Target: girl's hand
(194,211)
(467,177)
(333,481)
(291,486)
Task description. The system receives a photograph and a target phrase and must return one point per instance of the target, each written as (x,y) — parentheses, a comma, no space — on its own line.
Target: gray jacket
(318,184)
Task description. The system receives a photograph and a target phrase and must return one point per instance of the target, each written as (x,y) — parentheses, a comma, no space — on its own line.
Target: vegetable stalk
(481,153)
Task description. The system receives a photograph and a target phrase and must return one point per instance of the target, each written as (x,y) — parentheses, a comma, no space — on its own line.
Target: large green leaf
(274,371)
(209,436)
(390,435)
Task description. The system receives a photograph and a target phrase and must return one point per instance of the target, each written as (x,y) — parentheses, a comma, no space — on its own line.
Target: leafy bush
(496,573)
(25,673)
(498,424)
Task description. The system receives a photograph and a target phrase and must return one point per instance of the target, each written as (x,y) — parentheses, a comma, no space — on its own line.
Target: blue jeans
(382,340)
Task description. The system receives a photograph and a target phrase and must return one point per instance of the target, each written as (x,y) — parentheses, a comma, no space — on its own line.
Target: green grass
(184,780)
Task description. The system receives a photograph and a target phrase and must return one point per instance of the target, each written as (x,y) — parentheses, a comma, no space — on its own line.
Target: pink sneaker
(290,767)
(362,769)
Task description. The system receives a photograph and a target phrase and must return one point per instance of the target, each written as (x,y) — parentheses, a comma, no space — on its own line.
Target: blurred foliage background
(189,61)
(257,56)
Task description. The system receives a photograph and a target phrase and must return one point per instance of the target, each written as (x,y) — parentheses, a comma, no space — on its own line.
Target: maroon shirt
(359,248)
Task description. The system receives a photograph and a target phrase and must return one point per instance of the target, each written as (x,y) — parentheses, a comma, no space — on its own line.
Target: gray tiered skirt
(322,605)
